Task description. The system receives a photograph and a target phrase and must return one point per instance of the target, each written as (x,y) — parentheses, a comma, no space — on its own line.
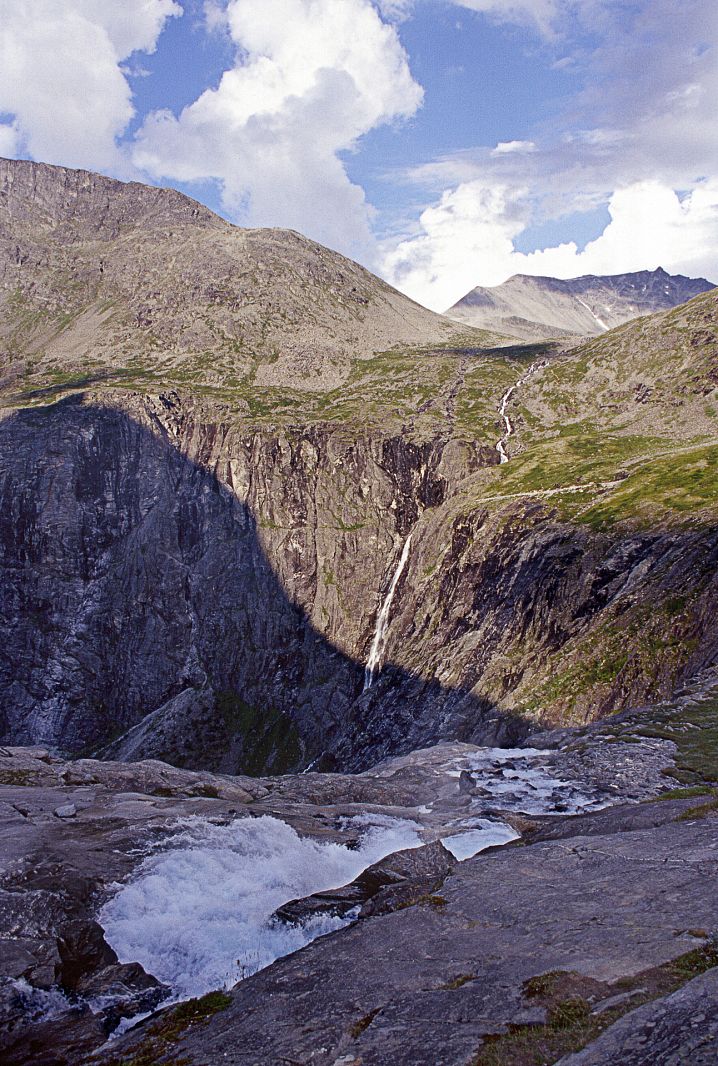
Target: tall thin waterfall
(382,622)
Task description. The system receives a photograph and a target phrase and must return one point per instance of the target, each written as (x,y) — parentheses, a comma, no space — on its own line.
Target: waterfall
(501,444)
(503,455)
(312,764)
(382,622)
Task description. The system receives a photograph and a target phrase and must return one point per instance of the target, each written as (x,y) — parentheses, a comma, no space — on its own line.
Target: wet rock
(60,1038)
(467,935)
(424,984)
(405,878)
(394,882)
(83,950)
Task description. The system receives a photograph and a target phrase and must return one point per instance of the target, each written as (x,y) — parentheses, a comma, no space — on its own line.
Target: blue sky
(443,143)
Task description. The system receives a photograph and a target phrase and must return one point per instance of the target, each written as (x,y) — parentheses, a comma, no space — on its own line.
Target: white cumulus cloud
(310,78)
(467,239)
(637,138)
(471,230)
(61,76)
(651,226)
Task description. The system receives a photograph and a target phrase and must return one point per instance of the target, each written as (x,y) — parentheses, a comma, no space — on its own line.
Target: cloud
(311,77)
(467,240)
(396,10)
(8,140)
(638,137)
(469,232)
(509,147)
(61,76)
(651,226)
(540,13)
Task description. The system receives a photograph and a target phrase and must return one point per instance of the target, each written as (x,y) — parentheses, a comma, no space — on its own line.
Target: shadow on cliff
(141,617)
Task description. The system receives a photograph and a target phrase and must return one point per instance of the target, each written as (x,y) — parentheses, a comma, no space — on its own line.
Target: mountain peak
(538,307)
(128,277)
(81,205)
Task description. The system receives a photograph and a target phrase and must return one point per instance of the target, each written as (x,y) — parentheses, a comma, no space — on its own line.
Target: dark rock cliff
(214,592)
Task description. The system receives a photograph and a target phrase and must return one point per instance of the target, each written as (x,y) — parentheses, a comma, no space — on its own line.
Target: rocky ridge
(544,308)
(106,281)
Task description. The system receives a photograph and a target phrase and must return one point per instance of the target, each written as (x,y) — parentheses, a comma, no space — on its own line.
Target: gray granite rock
(677,1030)
(423,985)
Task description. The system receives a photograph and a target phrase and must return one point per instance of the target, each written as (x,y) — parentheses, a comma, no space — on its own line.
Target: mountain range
(539,308)
(198,455)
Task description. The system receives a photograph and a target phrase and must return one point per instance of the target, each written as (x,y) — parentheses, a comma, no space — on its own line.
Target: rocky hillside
(105,281)
(540,308)
(199,561)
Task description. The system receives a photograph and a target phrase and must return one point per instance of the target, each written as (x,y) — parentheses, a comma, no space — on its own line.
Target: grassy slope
(624,427)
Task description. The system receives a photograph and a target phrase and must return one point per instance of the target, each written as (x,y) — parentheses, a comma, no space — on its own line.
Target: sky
(443,143)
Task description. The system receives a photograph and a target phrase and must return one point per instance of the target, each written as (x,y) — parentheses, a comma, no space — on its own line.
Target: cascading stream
(501,444)
(500,448)
(382,622)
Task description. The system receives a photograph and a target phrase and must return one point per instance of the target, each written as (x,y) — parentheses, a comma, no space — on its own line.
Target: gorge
(301,583)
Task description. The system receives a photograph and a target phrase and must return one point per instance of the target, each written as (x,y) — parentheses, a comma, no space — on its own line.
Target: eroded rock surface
(424,984)
(675,1030)
(194,593)
(439,950)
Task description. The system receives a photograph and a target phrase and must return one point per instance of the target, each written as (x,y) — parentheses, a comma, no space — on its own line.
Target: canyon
(291,563)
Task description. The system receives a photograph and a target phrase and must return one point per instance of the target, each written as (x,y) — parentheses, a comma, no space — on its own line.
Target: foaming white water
(37,1004)
(500,445)
(516,780)
(487,834)
(198,917)
(382,622)
(508,426)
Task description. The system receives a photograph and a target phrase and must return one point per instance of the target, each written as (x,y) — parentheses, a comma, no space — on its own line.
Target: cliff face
(215,445)
(177,587)
(156,558)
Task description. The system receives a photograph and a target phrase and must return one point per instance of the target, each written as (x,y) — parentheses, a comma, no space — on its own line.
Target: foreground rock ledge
(433,967)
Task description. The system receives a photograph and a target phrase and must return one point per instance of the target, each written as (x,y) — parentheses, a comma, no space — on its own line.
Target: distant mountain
(542,308)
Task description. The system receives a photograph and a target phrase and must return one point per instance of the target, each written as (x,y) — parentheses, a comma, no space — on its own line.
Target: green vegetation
(429,899)
(169,1027)
(356,1030)
(684,793)
(694,730)
(457,982)
(269,738)
(684,484)
(701,811)
(570,998)
(18,777)
(623,648)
